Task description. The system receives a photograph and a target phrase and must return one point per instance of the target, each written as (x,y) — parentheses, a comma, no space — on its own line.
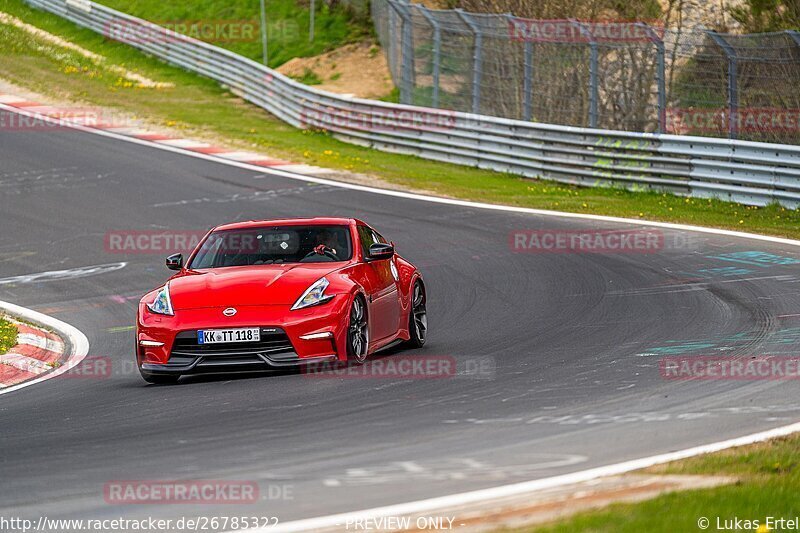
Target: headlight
(314,295)
(162,305)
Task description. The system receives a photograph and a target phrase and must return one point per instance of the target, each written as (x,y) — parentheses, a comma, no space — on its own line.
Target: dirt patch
(354,69)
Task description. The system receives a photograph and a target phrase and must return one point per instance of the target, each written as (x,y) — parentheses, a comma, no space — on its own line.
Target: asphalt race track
(557,352)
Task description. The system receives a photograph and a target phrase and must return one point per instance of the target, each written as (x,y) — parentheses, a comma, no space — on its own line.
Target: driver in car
(329,240)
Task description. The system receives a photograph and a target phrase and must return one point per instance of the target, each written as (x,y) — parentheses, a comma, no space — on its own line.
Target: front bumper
(168,345)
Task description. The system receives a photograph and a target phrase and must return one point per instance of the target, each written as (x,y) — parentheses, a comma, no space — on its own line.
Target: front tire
(159,379)
(358,332)
(418,317)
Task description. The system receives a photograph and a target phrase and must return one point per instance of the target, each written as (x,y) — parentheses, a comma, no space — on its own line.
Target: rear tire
(160,379)
(418,317)
(358,332)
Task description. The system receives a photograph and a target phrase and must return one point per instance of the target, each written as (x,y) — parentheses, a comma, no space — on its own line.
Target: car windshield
(274,245)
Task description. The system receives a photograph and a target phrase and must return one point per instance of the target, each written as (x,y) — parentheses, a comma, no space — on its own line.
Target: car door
(383,293)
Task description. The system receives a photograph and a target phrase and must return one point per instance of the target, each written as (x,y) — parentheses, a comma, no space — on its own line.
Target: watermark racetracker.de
(207,30)
(681,121)
(152,241)
(593,241)
(721,368)
(181,492)
(146,242)
(409,367)
(409,118)
(57,118)
(577,31)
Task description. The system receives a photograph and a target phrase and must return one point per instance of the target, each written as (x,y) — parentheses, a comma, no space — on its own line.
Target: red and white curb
(37,352)
(90,120)
(43,351)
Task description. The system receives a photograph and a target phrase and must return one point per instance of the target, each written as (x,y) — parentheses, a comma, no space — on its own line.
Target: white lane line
(11,99)
(519,488)
(79,344)
(57,275)
(483,496)
(241,156)
(400,194)
(184,143)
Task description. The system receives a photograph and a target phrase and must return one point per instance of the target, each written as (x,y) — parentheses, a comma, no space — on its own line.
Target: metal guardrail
(623,75)
(746,172)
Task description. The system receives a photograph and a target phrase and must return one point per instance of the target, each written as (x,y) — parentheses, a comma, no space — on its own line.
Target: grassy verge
(769,481)
(202,109)
(235,24)
(8,335)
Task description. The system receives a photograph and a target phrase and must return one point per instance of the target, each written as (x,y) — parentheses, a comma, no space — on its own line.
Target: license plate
(219,336)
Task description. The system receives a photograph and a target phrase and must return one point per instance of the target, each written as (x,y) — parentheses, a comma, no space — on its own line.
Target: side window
(366,237)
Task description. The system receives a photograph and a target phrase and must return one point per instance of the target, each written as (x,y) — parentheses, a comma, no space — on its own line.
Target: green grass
(309,77)
(8,335)
(768,484)
(201,108)
(287,24)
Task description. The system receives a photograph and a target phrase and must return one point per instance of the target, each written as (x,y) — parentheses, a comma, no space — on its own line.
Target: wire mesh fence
(623,75)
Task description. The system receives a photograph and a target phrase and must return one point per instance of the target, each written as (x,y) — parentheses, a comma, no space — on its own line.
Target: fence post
(406,52)
(264,50)
(594,90)
(527,84)
(392,41)
(660,75)
(437,50)
(312,15)
(477,60)
(733,89)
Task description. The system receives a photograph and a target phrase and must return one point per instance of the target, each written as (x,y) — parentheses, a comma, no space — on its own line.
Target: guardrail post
(660,75)
(733,89)
(795,35)
(477,60)
(437,50)
(406,52)
(594,90)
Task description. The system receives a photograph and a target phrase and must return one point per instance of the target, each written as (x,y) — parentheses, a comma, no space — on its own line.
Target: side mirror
(380,251)
(175,262)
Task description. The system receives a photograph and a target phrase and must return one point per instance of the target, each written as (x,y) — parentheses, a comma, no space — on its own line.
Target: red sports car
(280,293)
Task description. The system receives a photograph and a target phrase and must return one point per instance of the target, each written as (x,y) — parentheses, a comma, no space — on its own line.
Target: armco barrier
(746,172)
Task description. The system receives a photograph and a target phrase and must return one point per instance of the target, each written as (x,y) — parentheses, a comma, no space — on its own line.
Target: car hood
(247,285)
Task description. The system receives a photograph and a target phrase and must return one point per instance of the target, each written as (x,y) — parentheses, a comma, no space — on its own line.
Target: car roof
(316,221)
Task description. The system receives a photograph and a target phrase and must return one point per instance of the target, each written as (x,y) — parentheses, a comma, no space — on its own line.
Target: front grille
(274,343)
